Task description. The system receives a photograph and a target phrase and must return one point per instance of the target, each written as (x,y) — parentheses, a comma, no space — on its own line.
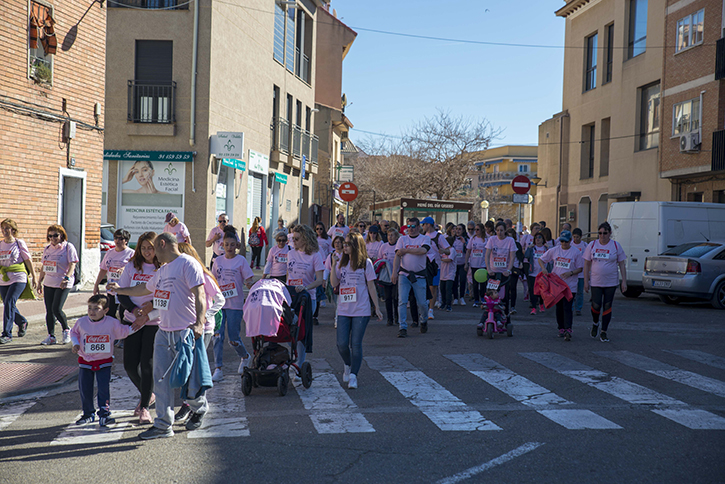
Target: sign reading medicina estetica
(147,191)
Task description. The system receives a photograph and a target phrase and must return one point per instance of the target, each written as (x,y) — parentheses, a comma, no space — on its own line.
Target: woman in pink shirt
(476,259)
(15,265)
(276,266)
(532,269)
(323,240)
(373,243)
(174,226)
(602,257)
(138,349)
(448,274)
(355,276)
(56,280)
(387,253)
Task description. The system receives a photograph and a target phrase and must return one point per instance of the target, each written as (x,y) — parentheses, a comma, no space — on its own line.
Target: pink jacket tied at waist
(551,288)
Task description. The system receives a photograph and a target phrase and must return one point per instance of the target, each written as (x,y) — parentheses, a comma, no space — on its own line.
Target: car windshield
(693,249)
(106,234)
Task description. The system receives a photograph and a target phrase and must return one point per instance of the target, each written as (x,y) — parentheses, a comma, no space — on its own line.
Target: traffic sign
(521,198)
(348,191)
(521,184)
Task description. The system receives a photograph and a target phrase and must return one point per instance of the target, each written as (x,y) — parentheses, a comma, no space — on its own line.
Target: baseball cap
(169,216)
(565,236)
(374,229)
(428,220)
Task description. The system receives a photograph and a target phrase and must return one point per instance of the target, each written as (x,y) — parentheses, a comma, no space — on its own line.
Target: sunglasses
(361,226)
(478,230)
(412,226)
(603,233)
(320,228)
(53,236)
(223,221)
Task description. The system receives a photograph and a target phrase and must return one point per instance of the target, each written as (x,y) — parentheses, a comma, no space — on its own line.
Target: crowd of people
(160,300)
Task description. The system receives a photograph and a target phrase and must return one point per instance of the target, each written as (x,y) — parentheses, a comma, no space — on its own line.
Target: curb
(52,386)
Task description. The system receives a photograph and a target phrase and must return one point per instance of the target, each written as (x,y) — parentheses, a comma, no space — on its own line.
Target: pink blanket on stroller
(263,308)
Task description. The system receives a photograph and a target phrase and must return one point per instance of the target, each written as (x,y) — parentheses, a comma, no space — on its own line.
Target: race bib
(97,344)
(282,259)
(294,282)
(140,279)
(477,252)
(348,294)
(114,274)
(499,261)
(601,254)
(493,284)
(161,300)
(5,255)
(562,263)
(229,290)
(50,266)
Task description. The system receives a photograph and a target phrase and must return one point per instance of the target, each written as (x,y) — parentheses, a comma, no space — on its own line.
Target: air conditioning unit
(690,142)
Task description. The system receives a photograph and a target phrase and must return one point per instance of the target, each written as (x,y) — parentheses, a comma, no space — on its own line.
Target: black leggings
(533,298)
(602,298)
(138,360)
(564,314)
(479,289)
(391,302)
(512,288)
(54,298)
(459,283)
(256,254)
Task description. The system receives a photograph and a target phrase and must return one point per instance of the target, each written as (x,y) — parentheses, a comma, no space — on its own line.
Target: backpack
(254,239)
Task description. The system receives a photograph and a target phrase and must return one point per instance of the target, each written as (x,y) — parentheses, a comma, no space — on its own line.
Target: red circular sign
(521,184)
(348,191)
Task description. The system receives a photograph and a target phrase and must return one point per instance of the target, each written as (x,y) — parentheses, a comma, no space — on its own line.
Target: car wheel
(718,297)
(633,293)
(673,300)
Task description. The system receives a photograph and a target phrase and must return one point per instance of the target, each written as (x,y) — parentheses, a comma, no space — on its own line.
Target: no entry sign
(348,191)
(521,184)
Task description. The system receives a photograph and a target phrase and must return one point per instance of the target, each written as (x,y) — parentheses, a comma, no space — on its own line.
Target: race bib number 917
(348,294)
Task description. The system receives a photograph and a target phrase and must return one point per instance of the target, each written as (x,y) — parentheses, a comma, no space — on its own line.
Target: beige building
(183,80)
(605,144)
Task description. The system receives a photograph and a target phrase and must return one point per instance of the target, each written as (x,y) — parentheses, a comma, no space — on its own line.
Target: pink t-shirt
(302,269)
(210,291)
(387,252)
(581,247)
(500,253)
(477,246)
(374,249)
(604,263)
(328,261)
(537,252)
(96,338)
(231,274)
(14,253)
(56,261)
(411,262)
(353,299)
(526,241)
(132,277)
(448,265)
(216,247)
(336,231)
(565,261)
(460,245)
(114,262)
(277,261)
(171,288)
(325,246)
(179,230)
(434,253)
(264,307)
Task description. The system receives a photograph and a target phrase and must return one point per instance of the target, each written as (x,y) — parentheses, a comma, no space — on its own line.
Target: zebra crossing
(332,409)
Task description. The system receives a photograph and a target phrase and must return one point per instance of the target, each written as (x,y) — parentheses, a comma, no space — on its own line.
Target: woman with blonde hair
(373,243)
(355,276)
(15,265)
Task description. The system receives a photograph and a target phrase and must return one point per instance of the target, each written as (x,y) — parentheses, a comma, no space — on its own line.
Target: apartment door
(71,213)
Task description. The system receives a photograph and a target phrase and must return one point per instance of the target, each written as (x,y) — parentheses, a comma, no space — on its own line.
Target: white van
(650,228)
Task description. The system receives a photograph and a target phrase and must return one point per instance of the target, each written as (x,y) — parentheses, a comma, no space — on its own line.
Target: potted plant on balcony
(41,72)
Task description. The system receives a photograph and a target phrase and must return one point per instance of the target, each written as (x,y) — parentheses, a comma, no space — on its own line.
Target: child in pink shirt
(276,266)
(92,337)
(448,275)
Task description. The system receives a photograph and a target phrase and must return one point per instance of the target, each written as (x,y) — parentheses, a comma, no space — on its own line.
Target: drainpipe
(192,120)
(561,162)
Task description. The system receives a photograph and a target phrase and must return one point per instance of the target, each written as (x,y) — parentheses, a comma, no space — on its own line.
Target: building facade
(216,102)
(605,144)
(693,101)
(51,122)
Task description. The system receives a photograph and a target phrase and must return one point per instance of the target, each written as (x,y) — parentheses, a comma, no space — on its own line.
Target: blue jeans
(232,321)
(579,300)
(10,295)
(350,332)
(85,385)
(404,287)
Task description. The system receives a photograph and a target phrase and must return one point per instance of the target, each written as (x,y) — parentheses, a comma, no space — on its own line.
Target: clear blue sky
(391,82)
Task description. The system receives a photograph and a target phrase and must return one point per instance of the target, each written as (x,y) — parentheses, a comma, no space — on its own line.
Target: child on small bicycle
(492,303)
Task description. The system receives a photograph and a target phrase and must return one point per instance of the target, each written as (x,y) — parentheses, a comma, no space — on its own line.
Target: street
(446,406)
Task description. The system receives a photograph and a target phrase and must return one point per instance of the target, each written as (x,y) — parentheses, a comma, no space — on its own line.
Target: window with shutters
(42,42)
(293,40)
(152,92)
(587,157)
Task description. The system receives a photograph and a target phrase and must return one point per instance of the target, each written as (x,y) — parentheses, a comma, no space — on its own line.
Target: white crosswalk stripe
(674,409)
(332,411)
(531,394)
(701,357)
(12,411)
(669,372)
(225,417)
(438,404)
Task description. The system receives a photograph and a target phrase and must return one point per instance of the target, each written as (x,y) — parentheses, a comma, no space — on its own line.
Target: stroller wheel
(281,386)
(306,374)
(246,383)
(509,330)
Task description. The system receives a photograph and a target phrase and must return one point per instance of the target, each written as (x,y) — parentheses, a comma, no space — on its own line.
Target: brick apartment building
(693,101)
(52,84)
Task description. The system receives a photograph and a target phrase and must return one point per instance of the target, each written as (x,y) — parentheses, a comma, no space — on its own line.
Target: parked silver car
(694,270)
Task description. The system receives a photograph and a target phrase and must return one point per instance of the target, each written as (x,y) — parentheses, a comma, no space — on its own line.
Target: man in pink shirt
(409,273)
(178,289)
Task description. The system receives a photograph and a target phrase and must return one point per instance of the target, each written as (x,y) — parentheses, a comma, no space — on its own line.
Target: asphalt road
(446,406)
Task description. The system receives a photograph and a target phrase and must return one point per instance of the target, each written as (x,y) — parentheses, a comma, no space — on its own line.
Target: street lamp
(536,180)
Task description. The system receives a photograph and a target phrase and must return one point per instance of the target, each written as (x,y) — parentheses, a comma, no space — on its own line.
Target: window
(523,168)
(718,196)
(278,33)
(694,197)
(151,93)
(649,117)
(590,69)
(604,147)
(610,54)
(637,42)
(289,45)
(42,43)
(686,117)
(293,40)
(587,160)
(689,30)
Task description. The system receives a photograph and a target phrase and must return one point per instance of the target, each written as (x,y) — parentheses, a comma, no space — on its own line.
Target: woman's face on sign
(144,173)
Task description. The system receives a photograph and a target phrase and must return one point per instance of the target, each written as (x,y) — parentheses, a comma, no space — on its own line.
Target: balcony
(150,4)
(151,102)
(718,150)
(300,141)
(720,59)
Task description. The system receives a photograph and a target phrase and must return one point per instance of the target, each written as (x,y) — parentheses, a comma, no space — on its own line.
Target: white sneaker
(50,340)
(455,302)
(346,374)
(323,303)
(66,337)
(462,302)
(218,375)
(430,314)
(352,384)
(437,304)
(243,364)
